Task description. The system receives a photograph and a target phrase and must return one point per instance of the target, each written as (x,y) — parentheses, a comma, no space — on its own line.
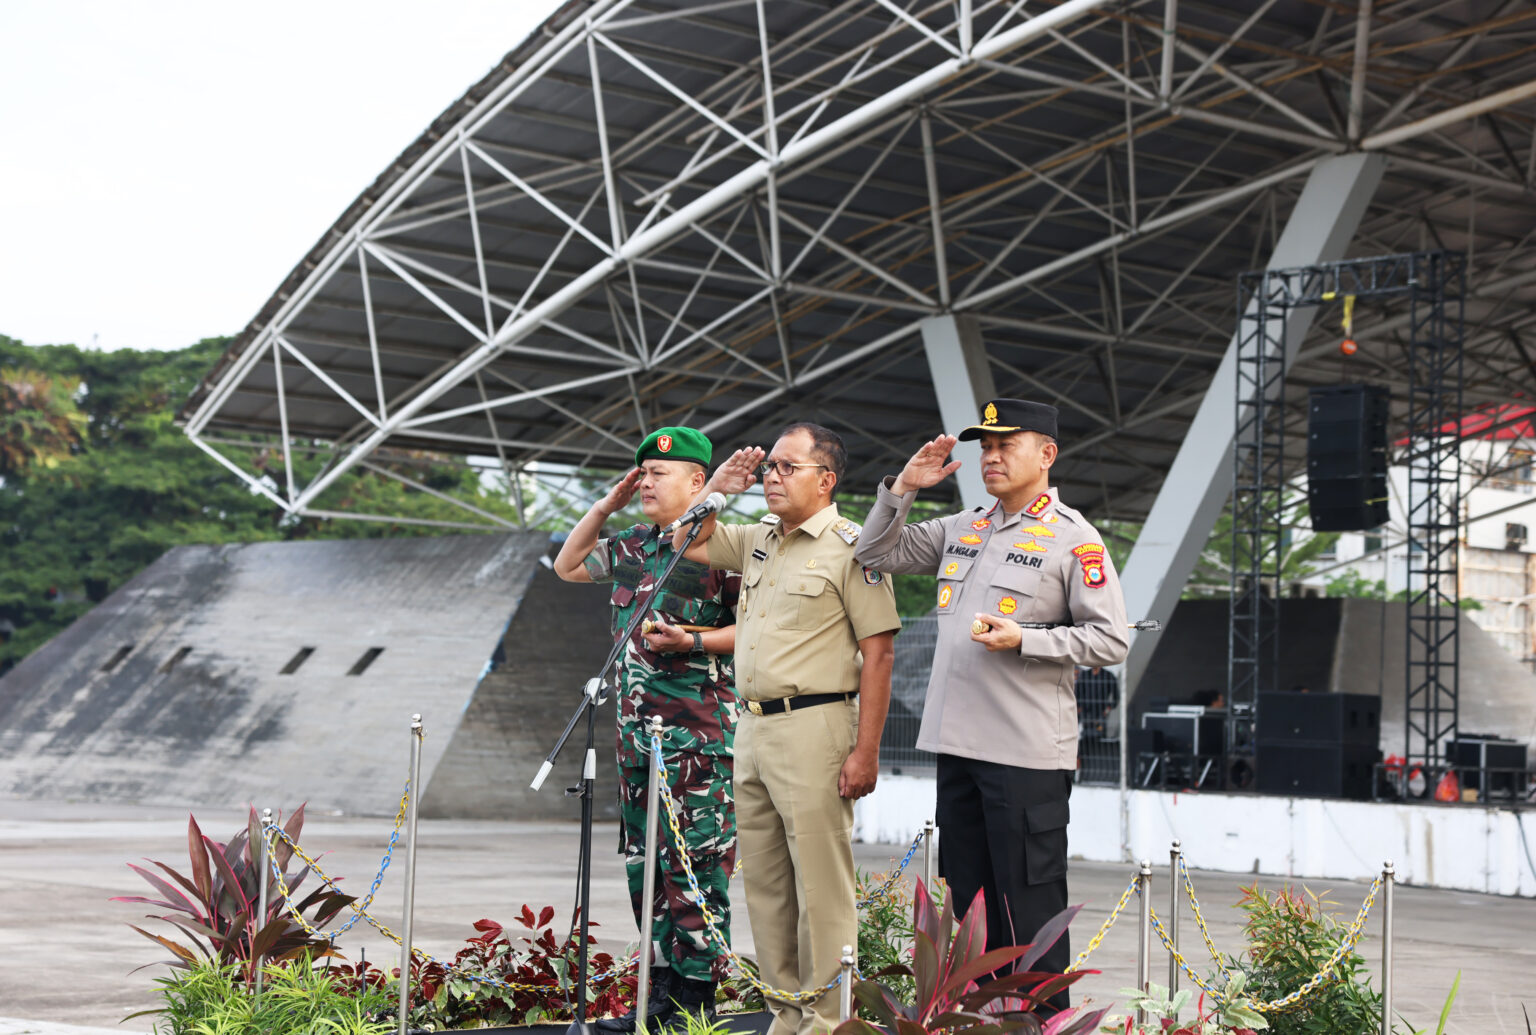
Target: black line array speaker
(1317,770)
(1289,718)
(1317,745)
(1347,457)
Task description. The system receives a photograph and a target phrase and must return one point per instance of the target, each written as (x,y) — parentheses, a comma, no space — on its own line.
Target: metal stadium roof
(734,213)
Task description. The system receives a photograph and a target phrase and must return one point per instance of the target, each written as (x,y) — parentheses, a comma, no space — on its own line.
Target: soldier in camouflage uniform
(679,670)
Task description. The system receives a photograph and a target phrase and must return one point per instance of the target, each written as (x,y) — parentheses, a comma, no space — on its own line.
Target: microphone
(714,503)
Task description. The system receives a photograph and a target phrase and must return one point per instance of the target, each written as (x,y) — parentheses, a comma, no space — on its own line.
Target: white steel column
(1200,480)
(963,382)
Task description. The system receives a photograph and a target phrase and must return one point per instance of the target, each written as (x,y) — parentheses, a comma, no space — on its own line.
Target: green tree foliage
(84,520)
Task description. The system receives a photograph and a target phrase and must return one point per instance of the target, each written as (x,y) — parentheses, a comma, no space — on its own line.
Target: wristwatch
(698,643)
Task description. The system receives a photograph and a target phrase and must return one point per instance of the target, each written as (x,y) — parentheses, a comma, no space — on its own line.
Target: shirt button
(749,679)
(762,614)
(773,582)
(781,551)
(753,647)
(802,585)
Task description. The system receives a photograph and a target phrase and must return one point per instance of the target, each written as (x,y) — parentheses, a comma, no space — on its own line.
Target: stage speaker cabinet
(1347,457)
(1317,770)
(1292,718)
(1188,734)
(1472,754)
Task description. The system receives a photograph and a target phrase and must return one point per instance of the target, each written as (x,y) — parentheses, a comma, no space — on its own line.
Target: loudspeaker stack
(1318,745)
(1347,457)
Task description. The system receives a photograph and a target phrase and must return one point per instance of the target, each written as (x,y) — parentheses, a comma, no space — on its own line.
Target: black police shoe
(658,1007)
(694,999)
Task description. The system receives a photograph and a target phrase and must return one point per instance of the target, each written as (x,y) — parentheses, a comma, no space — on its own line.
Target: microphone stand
(591,697)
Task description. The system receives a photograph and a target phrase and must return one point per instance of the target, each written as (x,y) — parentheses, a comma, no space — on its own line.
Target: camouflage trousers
(706,815)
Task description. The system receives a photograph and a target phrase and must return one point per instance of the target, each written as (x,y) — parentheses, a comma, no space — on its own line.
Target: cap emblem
(664,443)
(990,414)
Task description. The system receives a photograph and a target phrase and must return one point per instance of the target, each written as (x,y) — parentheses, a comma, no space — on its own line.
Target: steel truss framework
(1434,284)
(734,212)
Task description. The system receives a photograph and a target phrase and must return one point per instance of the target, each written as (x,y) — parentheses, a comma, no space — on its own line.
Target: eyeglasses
(784,467)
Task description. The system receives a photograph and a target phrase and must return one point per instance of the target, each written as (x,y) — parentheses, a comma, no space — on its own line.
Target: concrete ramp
(276,673)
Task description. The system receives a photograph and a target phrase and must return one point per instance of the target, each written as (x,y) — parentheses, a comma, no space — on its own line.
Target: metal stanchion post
(1144,946)
(410,874)
(928,831)
(1388,879)
(262,855)
(1173,917)
(845,986)
(652,815)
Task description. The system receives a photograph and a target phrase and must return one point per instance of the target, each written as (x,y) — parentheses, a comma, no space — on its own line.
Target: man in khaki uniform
(814,633)
(1000,711)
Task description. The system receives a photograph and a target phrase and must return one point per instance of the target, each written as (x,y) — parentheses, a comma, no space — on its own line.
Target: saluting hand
(738,473)
(619,496)
(1002,633)
(927,466)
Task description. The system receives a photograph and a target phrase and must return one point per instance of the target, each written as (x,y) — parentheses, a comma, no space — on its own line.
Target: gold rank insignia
(990,414)
(1040,530)
(1041,502)
(1007,605)
(811,563)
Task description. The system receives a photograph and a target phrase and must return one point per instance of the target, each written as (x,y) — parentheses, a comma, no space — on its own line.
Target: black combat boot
(696,998)
(658,1008)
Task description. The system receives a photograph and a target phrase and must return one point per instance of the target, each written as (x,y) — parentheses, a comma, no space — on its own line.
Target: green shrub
(211,998)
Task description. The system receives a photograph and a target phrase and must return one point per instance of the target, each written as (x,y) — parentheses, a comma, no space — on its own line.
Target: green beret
(675,444)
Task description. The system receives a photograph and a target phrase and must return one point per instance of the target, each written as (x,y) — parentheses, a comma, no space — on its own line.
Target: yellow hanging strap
(1349,315)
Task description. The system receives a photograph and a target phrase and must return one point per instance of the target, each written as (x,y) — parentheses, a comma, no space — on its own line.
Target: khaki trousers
(794,840)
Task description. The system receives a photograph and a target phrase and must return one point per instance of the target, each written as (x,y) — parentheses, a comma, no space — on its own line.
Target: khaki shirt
(805,603)
(1044,564)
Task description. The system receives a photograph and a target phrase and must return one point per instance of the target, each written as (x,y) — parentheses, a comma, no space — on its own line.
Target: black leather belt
(782,705)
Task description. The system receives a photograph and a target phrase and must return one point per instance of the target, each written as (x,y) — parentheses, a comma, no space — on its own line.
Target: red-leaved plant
(951,969)
(446,998)
(217,905)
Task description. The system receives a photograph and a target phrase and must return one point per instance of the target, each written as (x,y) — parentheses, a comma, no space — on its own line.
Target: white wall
(1465,847)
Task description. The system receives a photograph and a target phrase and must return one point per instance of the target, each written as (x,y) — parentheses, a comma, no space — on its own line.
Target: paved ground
(66,952)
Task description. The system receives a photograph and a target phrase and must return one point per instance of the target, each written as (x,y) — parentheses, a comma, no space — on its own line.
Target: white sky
(165,163)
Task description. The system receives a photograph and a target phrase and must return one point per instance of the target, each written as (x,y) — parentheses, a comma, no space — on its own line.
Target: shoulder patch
(872,576)
(769,519)
(847,531)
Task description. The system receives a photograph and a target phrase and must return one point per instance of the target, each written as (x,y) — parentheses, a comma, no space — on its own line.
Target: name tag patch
(955,550)
(759,555)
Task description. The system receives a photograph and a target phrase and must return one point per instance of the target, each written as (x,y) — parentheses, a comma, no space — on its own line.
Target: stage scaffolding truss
(1434,285)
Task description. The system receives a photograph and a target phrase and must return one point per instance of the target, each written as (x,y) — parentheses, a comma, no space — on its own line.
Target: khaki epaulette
(847,531)
(769,519)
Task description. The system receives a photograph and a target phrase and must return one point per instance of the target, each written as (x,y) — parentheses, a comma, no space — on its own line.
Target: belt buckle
(754,707)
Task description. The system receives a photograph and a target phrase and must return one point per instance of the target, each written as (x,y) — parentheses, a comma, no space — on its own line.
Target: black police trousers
(1003,829)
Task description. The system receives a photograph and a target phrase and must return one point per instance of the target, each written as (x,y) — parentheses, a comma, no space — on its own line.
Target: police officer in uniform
(677,667)
(1000,711)
(814,638)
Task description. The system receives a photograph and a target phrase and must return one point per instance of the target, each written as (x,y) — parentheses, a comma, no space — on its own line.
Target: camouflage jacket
(694,694)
